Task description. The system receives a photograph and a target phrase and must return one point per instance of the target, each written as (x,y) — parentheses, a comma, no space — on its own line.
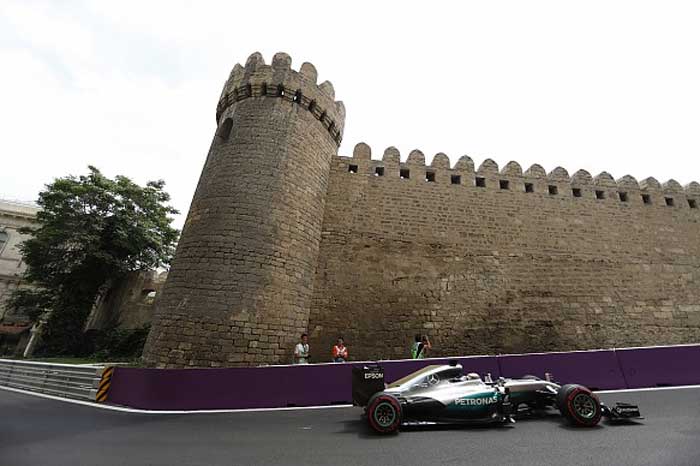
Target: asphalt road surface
(36,431)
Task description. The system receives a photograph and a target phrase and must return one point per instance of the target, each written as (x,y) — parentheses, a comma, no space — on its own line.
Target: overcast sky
(132,87)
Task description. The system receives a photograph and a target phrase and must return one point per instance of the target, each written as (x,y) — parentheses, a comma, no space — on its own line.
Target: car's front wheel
(579,405)
(384,413)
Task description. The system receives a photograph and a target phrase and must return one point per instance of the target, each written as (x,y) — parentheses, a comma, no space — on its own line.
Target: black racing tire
(579,405)
(384,413)
(561,396)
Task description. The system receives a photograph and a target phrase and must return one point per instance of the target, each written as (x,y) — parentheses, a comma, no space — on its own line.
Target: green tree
(92,231)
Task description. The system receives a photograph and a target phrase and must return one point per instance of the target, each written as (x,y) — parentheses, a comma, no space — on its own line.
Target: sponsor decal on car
(374,375)
(477,401)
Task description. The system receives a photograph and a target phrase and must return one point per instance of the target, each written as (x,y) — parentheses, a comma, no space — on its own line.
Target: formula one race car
(442,394)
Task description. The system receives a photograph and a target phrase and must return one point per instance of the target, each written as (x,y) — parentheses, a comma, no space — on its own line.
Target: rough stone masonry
(283,236)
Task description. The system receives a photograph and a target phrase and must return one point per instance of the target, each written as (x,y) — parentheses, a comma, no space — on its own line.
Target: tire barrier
(105,383)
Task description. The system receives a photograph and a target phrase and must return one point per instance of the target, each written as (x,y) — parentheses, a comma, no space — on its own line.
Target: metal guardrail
(66,380)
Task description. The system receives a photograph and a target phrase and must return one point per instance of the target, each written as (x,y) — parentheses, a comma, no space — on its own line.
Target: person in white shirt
(301,351)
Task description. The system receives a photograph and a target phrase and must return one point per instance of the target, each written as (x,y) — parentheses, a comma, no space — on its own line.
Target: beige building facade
(13,216)
(15,331)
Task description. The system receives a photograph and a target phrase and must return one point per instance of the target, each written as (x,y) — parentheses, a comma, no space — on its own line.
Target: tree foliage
(92,230)
(31,302)
(112,343)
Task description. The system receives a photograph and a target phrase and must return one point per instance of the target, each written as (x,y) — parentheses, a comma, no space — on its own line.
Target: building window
(379,171)
(646,198)
(529,188)
(623,197)
(404,174)
(600,195)
(352,168)
(504,184)
(225,130)
(456,179)
(3,240)
(149,296)
(480,182)
(430,177)
(553,190)
(576,192)
(692,203)
(669,201)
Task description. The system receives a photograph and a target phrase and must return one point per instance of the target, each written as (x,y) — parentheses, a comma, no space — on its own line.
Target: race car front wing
(621,412)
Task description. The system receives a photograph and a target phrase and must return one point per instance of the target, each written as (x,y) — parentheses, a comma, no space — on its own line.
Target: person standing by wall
(340,351)
(301,351)
(415,347)
(424,347)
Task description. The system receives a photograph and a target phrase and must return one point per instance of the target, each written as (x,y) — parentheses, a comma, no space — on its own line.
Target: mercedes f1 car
(443,394)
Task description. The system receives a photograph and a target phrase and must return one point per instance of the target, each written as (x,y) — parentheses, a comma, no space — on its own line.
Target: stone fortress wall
(127,303)
(500,260)
(240,287)
(283,236)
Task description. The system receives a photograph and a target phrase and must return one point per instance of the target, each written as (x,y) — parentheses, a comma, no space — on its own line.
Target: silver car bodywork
(444,394)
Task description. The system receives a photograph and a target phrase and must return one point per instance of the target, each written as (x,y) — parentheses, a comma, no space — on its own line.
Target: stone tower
(240,288)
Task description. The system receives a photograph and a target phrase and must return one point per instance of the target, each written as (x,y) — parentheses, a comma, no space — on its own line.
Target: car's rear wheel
(384,413)
(579,405)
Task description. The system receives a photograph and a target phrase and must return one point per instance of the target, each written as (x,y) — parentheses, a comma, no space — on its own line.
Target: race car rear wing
(366,381)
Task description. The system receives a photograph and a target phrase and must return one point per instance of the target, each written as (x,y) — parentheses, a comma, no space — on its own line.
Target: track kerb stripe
(105,382)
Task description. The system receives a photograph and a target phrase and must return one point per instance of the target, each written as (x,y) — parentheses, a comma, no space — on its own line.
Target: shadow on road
(360,428)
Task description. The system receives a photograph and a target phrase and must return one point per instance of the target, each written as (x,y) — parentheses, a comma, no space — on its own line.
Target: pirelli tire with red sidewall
(384,413)
(579,405)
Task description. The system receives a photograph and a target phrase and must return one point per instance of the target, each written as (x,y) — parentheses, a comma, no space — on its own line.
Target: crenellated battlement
(257,79)
(511,177)
(284,237)
(523,257)
(248,251)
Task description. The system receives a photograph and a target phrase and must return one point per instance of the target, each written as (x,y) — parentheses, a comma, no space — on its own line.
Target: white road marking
(262,410)
(158,411)
(650,389)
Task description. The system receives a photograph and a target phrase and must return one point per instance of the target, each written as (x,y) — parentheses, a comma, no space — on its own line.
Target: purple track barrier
(325,384)
(595,369)
(259,387)
(317,384)
(652,367)
(189,389)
